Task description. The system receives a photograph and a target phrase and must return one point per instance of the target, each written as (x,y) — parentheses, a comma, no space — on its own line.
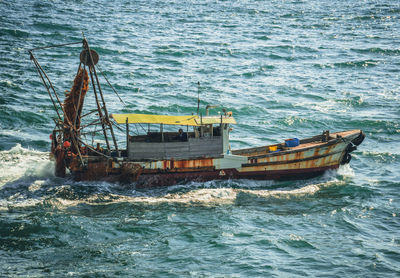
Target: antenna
(198,97)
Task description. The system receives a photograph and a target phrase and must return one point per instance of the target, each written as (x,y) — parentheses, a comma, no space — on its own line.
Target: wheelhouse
(202,136)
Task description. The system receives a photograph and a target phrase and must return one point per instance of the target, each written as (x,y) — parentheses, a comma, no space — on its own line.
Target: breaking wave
(67,196)
(19,163)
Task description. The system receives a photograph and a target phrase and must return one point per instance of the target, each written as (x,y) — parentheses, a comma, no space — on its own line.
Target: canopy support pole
(127,137)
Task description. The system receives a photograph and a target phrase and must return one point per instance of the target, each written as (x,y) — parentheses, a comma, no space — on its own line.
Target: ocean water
(284,68)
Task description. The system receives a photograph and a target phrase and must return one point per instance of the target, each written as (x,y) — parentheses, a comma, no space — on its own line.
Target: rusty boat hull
(311,158)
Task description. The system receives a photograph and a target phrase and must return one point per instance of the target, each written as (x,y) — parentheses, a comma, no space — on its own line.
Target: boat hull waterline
(307,160)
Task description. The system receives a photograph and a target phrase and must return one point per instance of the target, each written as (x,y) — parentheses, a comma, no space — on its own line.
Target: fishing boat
(162,150)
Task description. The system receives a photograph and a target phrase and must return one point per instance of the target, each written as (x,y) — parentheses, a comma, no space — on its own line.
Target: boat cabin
(193,136)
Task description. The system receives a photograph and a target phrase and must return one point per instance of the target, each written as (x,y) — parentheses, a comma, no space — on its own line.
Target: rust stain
(316,152)
(94,171)
(324,160)
(130,172)
(193,163)
(298,155)
(311,163)
(165,164)
(179,170)
(329,149)
(105,170)
(183,164)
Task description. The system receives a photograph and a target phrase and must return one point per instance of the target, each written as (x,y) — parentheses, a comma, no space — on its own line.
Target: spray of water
(19,163)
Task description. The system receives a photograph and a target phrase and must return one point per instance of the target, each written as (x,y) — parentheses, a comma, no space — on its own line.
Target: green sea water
(284,68)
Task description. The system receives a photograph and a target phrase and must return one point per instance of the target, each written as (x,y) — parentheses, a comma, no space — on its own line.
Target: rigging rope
(98,66)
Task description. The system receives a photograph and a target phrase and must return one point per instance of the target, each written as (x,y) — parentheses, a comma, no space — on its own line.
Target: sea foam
(18,163)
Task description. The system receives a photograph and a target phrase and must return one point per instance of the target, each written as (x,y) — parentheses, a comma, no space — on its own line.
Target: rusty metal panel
(176,164)
(306,154)
(325,161)
(193,163)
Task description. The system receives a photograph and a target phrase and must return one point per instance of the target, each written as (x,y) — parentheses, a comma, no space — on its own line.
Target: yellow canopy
(154,119)
(192,120)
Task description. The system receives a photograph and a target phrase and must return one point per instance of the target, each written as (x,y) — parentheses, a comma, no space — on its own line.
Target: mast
(69,132)
(104,117)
